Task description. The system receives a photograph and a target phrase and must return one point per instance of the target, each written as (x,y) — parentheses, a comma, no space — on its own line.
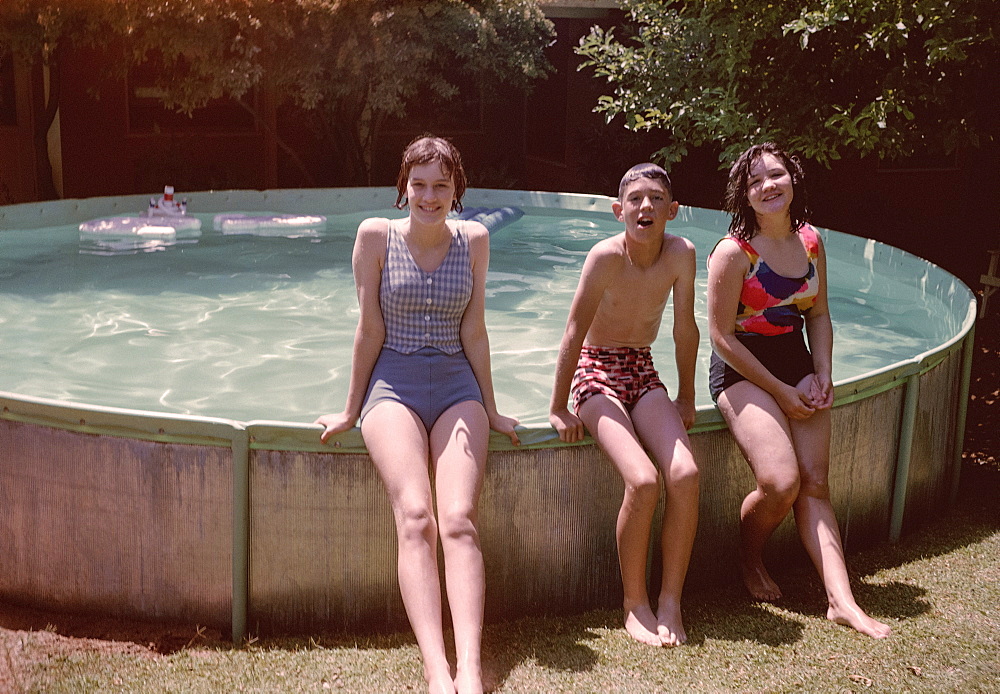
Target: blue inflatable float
(493,218)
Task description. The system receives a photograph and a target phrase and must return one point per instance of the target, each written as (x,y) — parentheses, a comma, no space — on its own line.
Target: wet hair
(743,224)
(427,149)
(645,170)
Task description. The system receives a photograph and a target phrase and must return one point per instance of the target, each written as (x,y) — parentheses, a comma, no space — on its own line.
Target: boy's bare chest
(637,289)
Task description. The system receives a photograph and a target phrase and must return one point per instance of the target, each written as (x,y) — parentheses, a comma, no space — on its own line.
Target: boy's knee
(683,474)
(643,487)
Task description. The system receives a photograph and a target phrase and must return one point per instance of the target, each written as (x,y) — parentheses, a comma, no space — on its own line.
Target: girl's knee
(814,489)
(415,523)
(457,524)
(782,489)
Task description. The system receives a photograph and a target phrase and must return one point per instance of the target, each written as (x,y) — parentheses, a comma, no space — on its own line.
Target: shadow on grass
(561,644)
(723,609)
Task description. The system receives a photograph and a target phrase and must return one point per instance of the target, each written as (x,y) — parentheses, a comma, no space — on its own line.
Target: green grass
(939,588)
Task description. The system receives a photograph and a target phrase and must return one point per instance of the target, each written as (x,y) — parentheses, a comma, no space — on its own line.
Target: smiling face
(645,206)
(430,193)
(769,186)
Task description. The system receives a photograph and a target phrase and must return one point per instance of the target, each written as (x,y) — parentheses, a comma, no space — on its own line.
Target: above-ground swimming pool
(156,407)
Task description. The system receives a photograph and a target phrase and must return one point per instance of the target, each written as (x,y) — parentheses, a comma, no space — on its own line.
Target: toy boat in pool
(164,224)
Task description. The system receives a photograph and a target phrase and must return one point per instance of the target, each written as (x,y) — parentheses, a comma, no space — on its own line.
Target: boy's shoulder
(608,250)
(677,244)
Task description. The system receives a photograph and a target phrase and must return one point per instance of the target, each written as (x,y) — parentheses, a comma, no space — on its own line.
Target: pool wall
(255,527)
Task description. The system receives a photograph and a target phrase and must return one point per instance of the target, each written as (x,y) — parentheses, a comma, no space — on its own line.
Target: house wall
(17,150)
(106,151)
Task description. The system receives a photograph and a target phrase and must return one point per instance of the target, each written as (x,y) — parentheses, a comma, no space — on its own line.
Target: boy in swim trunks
(604,357)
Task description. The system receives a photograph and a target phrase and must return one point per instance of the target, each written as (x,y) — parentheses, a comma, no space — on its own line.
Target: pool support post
(907,426)
(241,533)
(968,350)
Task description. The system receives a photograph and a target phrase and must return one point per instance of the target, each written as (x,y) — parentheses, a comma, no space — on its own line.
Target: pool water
(252,328)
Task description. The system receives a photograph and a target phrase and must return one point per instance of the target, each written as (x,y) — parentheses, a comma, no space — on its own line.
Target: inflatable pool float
(121,235)
(293,225)
(493,218)
(144,227)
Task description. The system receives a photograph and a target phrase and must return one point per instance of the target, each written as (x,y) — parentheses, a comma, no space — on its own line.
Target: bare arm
(366,261)
(475,340)
(686,335)
(726,270)
(819,328)
(590,290)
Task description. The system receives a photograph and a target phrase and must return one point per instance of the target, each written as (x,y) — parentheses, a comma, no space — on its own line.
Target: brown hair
(646,170)
(425,150)
(744,224)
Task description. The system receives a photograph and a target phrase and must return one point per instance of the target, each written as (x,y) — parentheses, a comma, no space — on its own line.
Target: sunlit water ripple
(261,328)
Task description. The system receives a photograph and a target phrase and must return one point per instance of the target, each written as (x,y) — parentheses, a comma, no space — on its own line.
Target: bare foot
(640,623)
(439,681)
(468,681)
(669,626)
(759,582)
(855,617)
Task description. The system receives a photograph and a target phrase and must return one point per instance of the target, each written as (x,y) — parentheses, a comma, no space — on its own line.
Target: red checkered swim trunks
(623,373)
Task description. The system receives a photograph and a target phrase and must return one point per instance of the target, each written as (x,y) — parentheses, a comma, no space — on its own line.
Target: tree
(351,63)
(34,29)
(824,77)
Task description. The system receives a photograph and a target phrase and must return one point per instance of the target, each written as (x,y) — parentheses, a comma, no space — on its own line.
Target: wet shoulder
(678,247)
(729,252)
(471,233)
(374,226)
(609,250)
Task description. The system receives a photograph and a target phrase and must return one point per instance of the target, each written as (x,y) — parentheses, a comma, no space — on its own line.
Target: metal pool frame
(256,527)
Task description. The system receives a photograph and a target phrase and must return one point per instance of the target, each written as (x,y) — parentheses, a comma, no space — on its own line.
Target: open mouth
(644,222)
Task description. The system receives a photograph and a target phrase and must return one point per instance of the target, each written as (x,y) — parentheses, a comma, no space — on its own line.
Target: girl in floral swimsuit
(766,281)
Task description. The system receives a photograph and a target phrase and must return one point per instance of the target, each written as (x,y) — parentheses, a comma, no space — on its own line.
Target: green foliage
(824,77)
(355,62)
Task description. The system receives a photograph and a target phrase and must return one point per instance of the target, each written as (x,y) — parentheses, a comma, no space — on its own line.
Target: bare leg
(607,421)
(397,441)
(762,431)
(662,431)
(458,443)
(817,525)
